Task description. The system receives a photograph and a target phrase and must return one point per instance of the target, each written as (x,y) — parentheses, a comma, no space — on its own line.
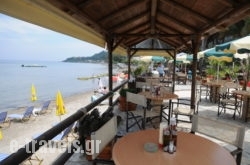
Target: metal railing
(21,155)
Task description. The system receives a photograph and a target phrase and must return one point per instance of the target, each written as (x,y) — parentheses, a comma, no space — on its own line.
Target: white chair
(230,135)
(141,114)
(183,108)
(105,135)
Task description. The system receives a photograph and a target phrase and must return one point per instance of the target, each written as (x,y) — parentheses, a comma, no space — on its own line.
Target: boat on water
(33,65)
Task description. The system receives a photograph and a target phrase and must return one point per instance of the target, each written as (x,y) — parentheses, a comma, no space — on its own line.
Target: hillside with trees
(101,57)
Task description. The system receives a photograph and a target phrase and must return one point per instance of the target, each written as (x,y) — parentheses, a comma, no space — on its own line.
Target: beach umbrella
(212,54)
(158,59)
(33,93)
(60,108)
(234,45)
(151,59)
(184,57)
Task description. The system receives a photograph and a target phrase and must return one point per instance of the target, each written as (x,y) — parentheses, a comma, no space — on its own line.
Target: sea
(16,81)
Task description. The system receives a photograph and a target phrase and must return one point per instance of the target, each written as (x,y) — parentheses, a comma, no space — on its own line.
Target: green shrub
(123,91)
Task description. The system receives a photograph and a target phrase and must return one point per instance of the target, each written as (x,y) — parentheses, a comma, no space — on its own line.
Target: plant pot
(210,78)
(123,104)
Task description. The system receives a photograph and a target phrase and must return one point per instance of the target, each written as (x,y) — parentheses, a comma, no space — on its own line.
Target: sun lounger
(22,117)
(4,119)
(63,136)
(43,109)
(60,137)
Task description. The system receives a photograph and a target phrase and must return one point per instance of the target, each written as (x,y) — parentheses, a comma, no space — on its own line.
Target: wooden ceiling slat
(154,4)
(83,16)
(176,21)
(121,10)
(144,26)
(127,22)
(240,9)
(187,10)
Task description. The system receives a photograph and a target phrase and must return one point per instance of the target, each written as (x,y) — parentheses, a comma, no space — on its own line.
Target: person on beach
(99,93)
(103,90)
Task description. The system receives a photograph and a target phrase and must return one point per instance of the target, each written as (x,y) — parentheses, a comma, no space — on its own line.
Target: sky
(20,40)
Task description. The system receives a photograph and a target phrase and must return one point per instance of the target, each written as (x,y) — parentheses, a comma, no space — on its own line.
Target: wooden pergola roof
(130,23)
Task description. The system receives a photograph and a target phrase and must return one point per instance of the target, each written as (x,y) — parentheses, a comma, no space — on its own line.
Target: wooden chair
(204,89)
(228,101)
(230,134)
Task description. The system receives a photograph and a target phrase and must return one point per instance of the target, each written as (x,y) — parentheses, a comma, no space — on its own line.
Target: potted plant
(211,70)
(122,99)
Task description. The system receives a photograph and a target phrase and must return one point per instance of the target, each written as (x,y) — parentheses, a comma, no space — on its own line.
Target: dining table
(245,97)
(214,88)
(157,100)
(191,149)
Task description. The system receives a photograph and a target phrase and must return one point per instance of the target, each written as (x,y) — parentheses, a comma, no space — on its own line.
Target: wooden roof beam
(163,26)
(127,22)
(82,4)
(121,10)
(83,16)
(187,10)
(240,9)
(154,4)
(229,3)
(178,22)
(151,49)
(131,40)
(137,27)
(134,41)
(170,41)
(149,35)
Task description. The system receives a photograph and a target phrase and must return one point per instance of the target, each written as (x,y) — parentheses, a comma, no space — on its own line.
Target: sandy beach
(20,133)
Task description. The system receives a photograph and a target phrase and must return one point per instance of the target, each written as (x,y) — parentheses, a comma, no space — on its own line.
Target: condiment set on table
(168,136)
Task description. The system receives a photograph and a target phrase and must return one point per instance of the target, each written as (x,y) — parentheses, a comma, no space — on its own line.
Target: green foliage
(124,91)
(101,56)
(119,59)
(211,68)
(232,71)
(141,67)
(224,68)
(138,71)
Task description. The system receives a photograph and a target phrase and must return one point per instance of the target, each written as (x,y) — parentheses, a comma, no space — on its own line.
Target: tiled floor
(205,108)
